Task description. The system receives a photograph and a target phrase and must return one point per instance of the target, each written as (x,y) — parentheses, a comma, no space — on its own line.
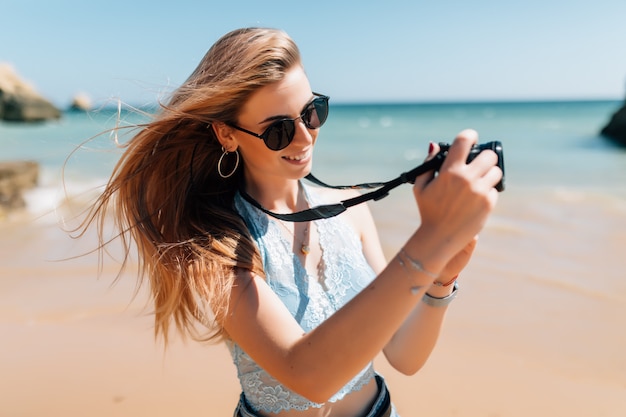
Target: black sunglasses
(280,133)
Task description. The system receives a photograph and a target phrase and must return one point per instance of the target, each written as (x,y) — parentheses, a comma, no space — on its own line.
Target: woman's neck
(283,197)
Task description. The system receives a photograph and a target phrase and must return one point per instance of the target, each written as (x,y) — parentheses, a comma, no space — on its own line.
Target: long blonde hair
(166,196)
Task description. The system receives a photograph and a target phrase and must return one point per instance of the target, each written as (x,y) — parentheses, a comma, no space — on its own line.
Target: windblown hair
(166,197)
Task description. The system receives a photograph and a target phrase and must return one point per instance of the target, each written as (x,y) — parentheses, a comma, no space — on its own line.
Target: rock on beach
(16,177)
(616,127)
(20,102)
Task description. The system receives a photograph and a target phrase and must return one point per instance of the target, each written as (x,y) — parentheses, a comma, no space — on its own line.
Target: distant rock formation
(20,102)
(616,128)
(15,178)
(81,102)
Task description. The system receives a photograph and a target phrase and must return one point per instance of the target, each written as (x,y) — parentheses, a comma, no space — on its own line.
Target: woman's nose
(303,133)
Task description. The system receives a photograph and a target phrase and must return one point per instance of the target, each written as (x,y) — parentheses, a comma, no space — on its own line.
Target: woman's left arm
(412,344)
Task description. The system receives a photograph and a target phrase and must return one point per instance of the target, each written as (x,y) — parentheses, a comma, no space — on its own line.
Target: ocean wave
(56,202)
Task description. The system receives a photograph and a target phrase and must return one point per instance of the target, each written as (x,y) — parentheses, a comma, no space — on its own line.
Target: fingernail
(431,147)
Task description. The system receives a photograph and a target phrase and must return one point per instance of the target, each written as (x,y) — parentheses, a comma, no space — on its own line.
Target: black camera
(476,149)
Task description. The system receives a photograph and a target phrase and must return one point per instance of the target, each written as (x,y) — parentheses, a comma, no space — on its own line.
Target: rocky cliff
(616,128)
(20,102)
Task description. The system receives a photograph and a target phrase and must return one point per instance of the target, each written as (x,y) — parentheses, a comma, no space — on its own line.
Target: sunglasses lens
(315,115)
(279,135)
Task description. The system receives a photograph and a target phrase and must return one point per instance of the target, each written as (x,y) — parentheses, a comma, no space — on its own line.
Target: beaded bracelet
(446,284)
(417,265)
(428,299)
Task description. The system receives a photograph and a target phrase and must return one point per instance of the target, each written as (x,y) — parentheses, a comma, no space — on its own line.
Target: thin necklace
(304,247)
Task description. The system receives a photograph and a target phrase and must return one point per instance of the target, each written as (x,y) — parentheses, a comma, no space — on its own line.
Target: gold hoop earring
(219,163)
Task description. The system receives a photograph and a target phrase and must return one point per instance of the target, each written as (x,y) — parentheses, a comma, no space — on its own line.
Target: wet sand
(538,327)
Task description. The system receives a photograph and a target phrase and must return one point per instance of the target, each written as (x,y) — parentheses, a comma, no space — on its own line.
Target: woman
(303,306)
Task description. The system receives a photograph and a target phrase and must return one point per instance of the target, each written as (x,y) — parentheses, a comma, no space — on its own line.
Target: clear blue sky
(354,51)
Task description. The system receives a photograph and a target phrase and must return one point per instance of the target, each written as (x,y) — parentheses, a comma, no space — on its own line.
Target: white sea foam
(54,201)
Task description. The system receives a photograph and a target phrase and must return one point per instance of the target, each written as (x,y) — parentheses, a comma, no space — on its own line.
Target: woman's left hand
(458,262)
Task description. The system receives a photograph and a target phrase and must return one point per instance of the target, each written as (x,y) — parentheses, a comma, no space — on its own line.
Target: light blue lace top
(310,300)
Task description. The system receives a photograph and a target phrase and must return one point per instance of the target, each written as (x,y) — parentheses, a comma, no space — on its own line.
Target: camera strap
(326,211)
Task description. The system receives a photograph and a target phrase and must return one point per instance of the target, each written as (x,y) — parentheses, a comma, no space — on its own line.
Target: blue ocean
(546,144)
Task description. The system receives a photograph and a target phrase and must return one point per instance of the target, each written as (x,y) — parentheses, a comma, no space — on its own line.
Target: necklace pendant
(305,249)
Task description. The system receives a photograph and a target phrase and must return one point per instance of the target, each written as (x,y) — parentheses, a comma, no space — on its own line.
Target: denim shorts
(381,407)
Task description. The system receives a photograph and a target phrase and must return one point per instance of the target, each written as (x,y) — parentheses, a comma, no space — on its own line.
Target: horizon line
(392,102)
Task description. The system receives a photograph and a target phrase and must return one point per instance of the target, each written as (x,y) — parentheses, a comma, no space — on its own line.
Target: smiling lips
(297,158)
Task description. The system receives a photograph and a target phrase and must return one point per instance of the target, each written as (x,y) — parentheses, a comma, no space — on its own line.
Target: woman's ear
(224,134)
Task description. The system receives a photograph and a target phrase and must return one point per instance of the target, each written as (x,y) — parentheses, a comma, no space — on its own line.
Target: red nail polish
(431,147)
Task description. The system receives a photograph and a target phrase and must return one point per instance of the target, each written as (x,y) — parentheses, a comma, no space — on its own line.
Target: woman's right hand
(455,204)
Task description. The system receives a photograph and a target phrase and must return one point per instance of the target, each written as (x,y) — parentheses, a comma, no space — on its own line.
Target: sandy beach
(538,327)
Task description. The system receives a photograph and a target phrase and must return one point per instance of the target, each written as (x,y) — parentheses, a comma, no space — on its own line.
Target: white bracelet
(441,301)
